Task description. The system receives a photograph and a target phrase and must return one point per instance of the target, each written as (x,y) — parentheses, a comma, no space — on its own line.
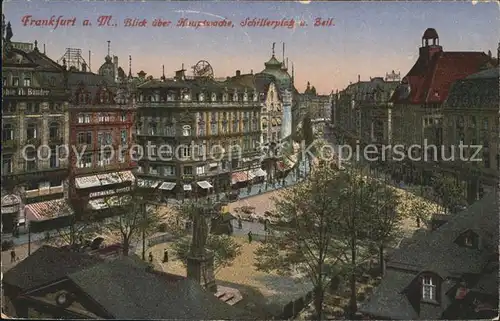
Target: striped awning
(187,187)
(147,183)
(204,184)
(243,176)
(259,172)
(47,210)
(167,186)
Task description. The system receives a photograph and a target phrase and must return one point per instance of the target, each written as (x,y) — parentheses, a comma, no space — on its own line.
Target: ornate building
(203,134)
(471,116)
(362,112)
(101,119)
(417,113)
(34,133)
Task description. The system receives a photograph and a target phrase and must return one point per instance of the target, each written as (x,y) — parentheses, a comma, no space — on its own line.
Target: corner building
(34,123)
(191,124)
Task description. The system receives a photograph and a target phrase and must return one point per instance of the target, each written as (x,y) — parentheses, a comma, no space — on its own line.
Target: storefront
(12,214)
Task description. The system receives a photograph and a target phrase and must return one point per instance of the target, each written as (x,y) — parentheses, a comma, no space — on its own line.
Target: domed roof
(430,33)
(274,68)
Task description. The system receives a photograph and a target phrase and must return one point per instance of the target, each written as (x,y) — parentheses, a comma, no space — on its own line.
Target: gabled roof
(43,61)
(46,265)
(430,80)
(125,290)
(437,251)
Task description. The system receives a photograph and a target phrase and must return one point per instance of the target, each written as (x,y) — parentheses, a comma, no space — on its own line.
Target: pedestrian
(265,225)
(240,223)
(150,257)
(165,256)
(250,237)
(12,256)
(418,221)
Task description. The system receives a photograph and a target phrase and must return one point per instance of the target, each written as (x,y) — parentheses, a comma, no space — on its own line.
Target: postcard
(214,160)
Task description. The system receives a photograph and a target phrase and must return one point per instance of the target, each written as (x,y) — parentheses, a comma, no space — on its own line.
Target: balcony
(56,140)
(34,141)
(44,191)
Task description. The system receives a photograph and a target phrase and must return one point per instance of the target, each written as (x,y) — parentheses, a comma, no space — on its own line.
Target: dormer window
(245,97)
(214,97)
(429,288)
(468,239)
(201,97)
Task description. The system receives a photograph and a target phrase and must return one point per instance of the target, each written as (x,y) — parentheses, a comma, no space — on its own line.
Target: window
(186,152)
(170,131)
(85,138)
(7,132)
(169,170)
(31,132)
(7,164)
(188,170)
(153,128)
(428,288)
(138,128)
(225,125)
(123,117)
(27,82)
(104,158)
(200,170)
(15,81)
(123,156)
(186,130)
(264,138)
(53,160)
(4,81)
(83,118)
(31,160)
(100,118)
(85,161)
(11,107)
(54,130)
(235,122)
(123,137)
(485,124)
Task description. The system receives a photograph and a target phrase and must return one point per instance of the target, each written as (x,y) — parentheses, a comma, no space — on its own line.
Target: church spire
(274,44)
(109,48)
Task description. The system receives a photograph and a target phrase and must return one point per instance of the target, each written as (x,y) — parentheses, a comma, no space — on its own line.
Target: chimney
(84,67)
(251,71)
(359,78)
(489,53)
(238,73)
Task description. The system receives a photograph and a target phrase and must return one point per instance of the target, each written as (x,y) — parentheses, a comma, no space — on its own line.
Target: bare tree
(131,215)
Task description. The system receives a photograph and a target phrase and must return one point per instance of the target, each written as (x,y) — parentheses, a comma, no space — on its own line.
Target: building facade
(362,111)
(102,117)
(203,135)
(471,117)
(34,131)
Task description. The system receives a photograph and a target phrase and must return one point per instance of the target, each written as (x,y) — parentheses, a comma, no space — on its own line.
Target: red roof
(430,81)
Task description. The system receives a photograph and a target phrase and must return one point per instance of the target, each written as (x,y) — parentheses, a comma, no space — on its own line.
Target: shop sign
(109,192)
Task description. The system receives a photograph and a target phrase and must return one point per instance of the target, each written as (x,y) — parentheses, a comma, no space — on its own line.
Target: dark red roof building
(432,75)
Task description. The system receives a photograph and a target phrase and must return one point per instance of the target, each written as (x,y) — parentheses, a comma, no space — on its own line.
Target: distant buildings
(449,273)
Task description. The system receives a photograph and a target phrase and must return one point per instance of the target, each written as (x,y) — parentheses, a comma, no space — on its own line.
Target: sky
(368,39)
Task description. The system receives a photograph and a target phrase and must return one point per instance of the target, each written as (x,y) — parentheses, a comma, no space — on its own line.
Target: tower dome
(430,38)
(430,33)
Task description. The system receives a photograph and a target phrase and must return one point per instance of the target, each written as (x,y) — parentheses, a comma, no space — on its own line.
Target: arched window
(31,131)
(236,122)
(7,132)
(201,125)
(54,130)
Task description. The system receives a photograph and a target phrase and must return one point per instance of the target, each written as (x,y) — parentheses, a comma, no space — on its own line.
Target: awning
(204,184)
(259,172)
(127,176)
(109,178)
(246,159)
(101,203)
(187,187)
(47,210)
(167,186)
(147,183)
(241,177)
(87,181)
(213,165)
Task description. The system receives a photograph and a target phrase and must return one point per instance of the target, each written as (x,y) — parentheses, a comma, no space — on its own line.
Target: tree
(308,243)
(448,192)
(131,215)
(224,248)
(76,228)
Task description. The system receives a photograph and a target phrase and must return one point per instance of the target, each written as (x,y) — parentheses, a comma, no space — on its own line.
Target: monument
(200,262)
